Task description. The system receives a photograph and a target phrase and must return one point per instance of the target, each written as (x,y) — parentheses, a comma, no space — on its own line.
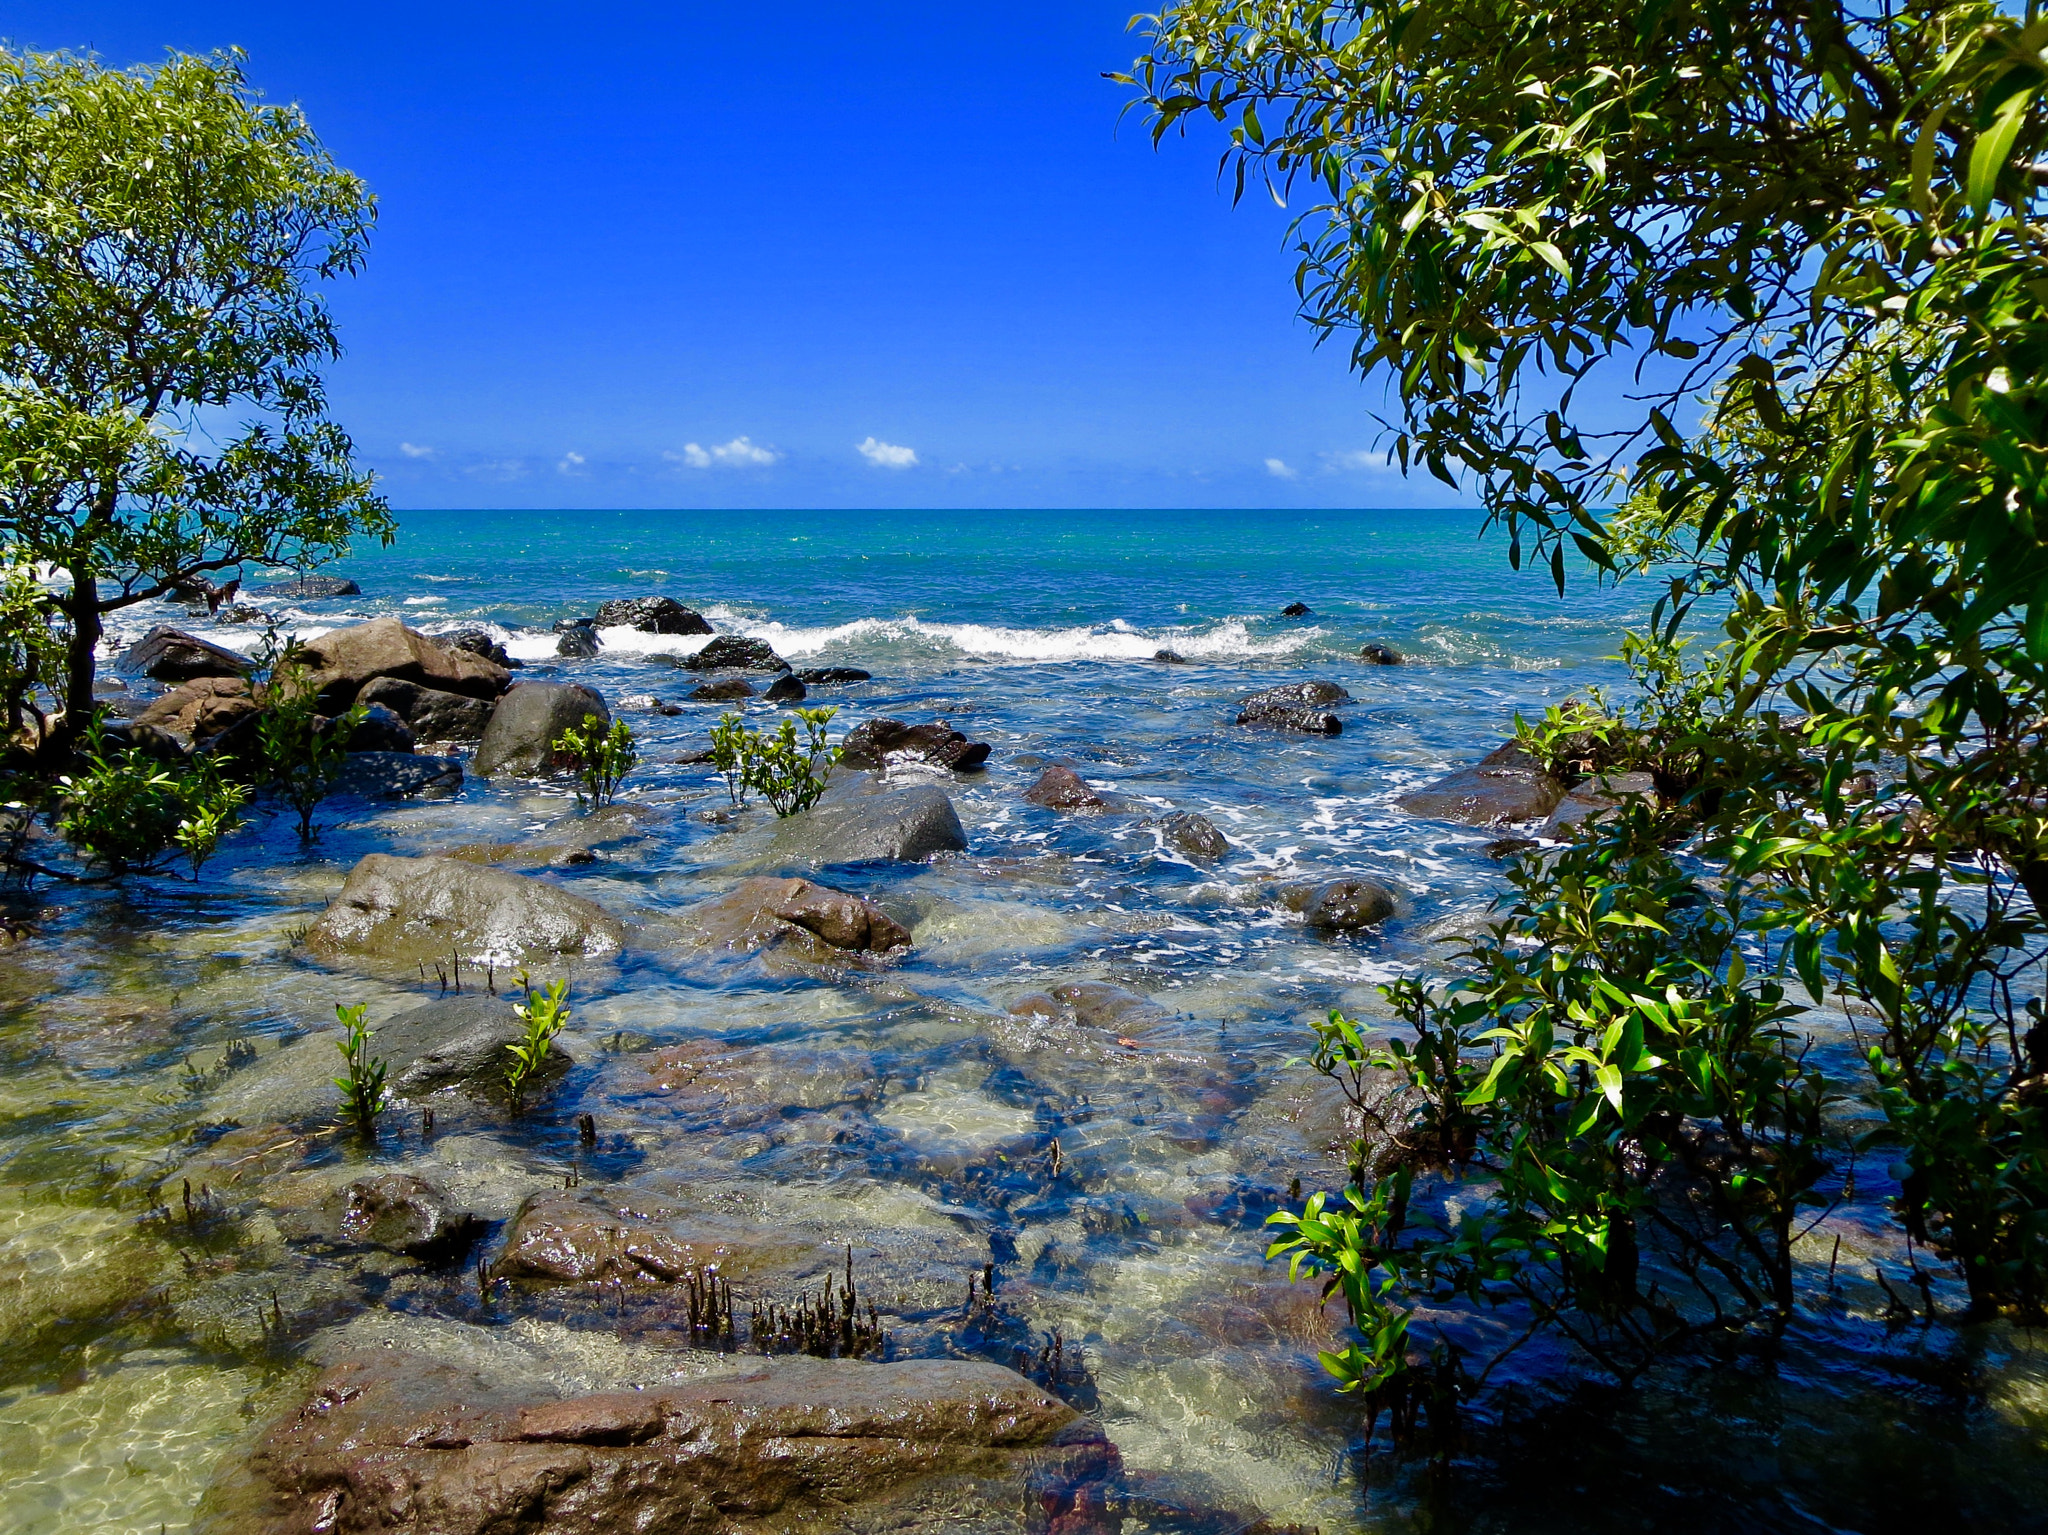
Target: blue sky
(802,255)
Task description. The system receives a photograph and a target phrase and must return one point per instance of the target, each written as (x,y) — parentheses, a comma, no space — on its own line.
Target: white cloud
(414,450)
(886,455)
(572,462)
(740,453)
(1360,460)
(1277,468)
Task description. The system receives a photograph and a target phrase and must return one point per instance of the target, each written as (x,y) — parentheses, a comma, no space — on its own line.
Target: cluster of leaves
(782,769)
(32,644)
(601,757)
(1817,231)
(131,814)
(363,1095)
(544,1015)
(302,750)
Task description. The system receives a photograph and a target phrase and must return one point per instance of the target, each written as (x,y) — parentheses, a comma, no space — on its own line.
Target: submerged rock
(1295,706)
(400,1213)
(819,924)
(309,588)
(1194,834)
(1340,905)
(171,655)
(832,676)
(383,775)
(786,690)
(651,615)
(646,703)
(877,743)
(432,714)
(1061,788)
(401,912)
(907,825)
(341,661)
(1381,655)
(721,690)
(1169,658)
(1296,610)
(527,722)
(584,1237)
(733,652)
(1505,785)
(389,1442)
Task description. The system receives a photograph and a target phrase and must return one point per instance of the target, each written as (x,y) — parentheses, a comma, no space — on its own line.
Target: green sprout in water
(783,769)
(130,813)
(545,1014)
(602,758)
(362,1090)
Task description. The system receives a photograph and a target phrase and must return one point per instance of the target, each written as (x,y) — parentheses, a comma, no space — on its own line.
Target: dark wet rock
(1170,657)
(569,840)
(400,1213)
(243,613)
(1061,788)
(528,721)
(459,1043)
(381,731)
(343,660)
(400,912)
(1507,847)
(1596,799)
(199,591)
(832,676)
(171,655)
(1295,706)
(651,615)
(811,922)
(309,588)
(479,642)
(1296,610)
(906,825)
(646,703)
(1340,905)
(1194,834)
(1506,785)
(394,1443)
(432,714)
(202,710)
(721,690)
(1381,655)
(786,690)
(878,743)
(578,642)
(733,652)
(397,775)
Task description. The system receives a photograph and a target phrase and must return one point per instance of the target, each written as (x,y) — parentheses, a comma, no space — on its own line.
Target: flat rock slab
(388,1442)
(1504,786)
(402,912)
(570,1238)
(907,825)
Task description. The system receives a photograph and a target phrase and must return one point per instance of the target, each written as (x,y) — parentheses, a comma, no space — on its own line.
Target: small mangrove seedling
(785,771)
(303,750)
(545,1014)
(133,815)
(602,758)
(732,749)
(362,1090)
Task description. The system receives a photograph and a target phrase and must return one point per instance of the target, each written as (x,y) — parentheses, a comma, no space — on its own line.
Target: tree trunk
(84,610)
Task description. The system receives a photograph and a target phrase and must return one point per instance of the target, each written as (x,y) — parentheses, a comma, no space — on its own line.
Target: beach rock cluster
(651,615)
(1300,706)
(879,743)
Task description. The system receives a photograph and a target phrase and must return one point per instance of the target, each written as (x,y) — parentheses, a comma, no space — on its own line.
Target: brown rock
(875,744)
(402,1213)
(201,710)
(400,912)
(1060,788)
(815,922)
(569,1238)
(400,1444)
(721,690)
(341,661)
(1505,785)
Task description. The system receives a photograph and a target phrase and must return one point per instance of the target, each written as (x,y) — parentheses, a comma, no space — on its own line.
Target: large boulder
(381,731)
(810,922)
(309,588)
(458,1044)
(735,653)
(432,714)
(651,615)
(1505,785)
(1296,706)
(907,825)
(879,743)
(395,1443)
(520,738)
(202,710)
(171,655)
(341,661)
(401,912)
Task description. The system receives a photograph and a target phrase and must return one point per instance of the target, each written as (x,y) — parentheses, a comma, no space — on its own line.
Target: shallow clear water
(896,1113)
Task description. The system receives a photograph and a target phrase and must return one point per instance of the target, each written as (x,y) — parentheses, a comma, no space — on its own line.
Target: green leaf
(1994,148)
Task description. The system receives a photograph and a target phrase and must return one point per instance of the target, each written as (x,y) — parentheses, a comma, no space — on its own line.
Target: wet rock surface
(832,676)
(390,775)
(651,615)
(1061,788)
(732,652)
(390,1443)
(171,655)
(1297,706)
(875,825)
(528,720)
(308,588)
(401,1213)
(382,730)
(811,922)
(721,690)
(403,912)
(341,661)
(878,743)
(1505,785)
(1596,799)
(432,714)
(1340,905)
(1195,835)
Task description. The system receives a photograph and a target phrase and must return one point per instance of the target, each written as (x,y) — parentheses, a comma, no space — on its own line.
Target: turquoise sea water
(892,1113)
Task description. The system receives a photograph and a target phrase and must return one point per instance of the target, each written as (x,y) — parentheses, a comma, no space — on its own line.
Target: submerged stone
(907,825)
(1061,788)
(401,912)
(1505,785)
(879,743)
(1195,835)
